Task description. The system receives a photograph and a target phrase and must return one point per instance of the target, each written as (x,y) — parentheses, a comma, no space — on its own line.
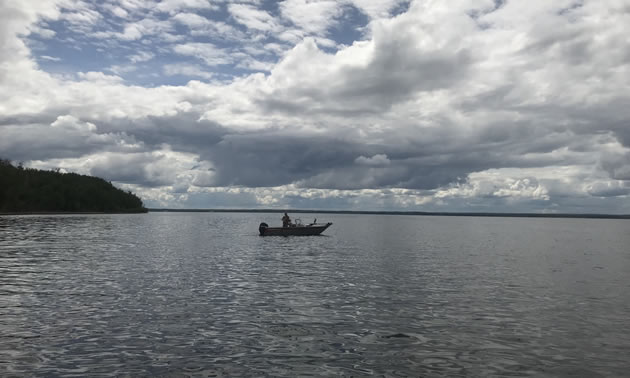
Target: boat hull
(309,230)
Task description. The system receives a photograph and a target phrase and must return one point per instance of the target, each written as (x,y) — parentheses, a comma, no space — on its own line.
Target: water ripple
(203,295)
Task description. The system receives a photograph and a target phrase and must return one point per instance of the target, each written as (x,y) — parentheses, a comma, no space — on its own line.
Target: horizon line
(402,212)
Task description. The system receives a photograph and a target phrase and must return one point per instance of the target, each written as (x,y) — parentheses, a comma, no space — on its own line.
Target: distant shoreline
(415,213)
(350,212)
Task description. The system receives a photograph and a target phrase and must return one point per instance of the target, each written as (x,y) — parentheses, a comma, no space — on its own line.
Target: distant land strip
(66,212)
(421,213)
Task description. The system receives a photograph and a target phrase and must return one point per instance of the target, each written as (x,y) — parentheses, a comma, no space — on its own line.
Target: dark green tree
(32,190)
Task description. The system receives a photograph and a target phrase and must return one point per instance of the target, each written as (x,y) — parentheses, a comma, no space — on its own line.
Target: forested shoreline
(29,190)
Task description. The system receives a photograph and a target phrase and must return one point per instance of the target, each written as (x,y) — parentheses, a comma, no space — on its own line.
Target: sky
(426,105)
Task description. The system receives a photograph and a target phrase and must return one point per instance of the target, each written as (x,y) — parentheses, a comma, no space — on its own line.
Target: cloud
(64,137)
(253,18)
(69,122)
(116,10)
(43,32)
(173,6)
(17,21)
(201,27)
(249,63)
(146,27)
(376,160)
(81,17)
(50,58)
(141,56)
(208,52)
(609,189)
(192,20)
(377,8)
(491,184)
(314,17)
(146,169)
(370,76)
(189,70)
(463,105)
(122,69)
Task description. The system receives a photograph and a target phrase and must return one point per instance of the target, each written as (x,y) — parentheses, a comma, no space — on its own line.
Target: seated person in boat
(286,220)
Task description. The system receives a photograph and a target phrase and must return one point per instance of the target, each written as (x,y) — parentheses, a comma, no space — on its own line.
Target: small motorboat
(294,229)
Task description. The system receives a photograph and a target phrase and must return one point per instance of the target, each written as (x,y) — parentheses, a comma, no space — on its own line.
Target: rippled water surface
(201,294)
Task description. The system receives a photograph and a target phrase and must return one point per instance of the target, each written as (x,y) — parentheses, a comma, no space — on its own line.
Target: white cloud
(136,30)
(141,56)
(16,21)
(186,70)
(121,69)
(253,18)
(99,77)
(50,58)
(172,6)
(250,63)
(202,27)
(208,52)
(192,20)
(82,18)
(117,11)
(314,17)
(135,5)
(377,8)
(491,184)
(43,32)
(71,123)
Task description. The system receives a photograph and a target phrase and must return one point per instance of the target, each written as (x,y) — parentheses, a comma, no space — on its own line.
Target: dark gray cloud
(183,131)
(133,169)
(609,190)
(24,142)
(324,162)
(272,159)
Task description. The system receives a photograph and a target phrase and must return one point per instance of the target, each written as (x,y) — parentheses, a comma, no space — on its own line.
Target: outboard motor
(262,227)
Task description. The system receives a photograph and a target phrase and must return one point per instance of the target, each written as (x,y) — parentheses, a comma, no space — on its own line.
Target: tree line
(33,190)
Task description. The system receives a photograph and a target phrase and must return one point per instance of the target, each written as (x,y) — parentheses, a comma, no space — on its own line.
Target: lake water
(201,294)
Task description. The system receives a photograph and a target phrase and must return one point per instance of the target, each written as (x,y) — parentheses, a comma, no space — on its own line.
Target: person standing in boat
(286,220)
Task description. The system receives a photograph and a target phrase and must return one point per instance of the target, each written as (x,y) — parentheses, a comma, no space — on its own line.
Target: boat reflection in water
(294,229)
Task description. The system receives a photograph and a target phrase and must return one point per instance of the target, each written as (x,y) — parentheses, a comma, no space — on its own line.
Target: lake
(201,294)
